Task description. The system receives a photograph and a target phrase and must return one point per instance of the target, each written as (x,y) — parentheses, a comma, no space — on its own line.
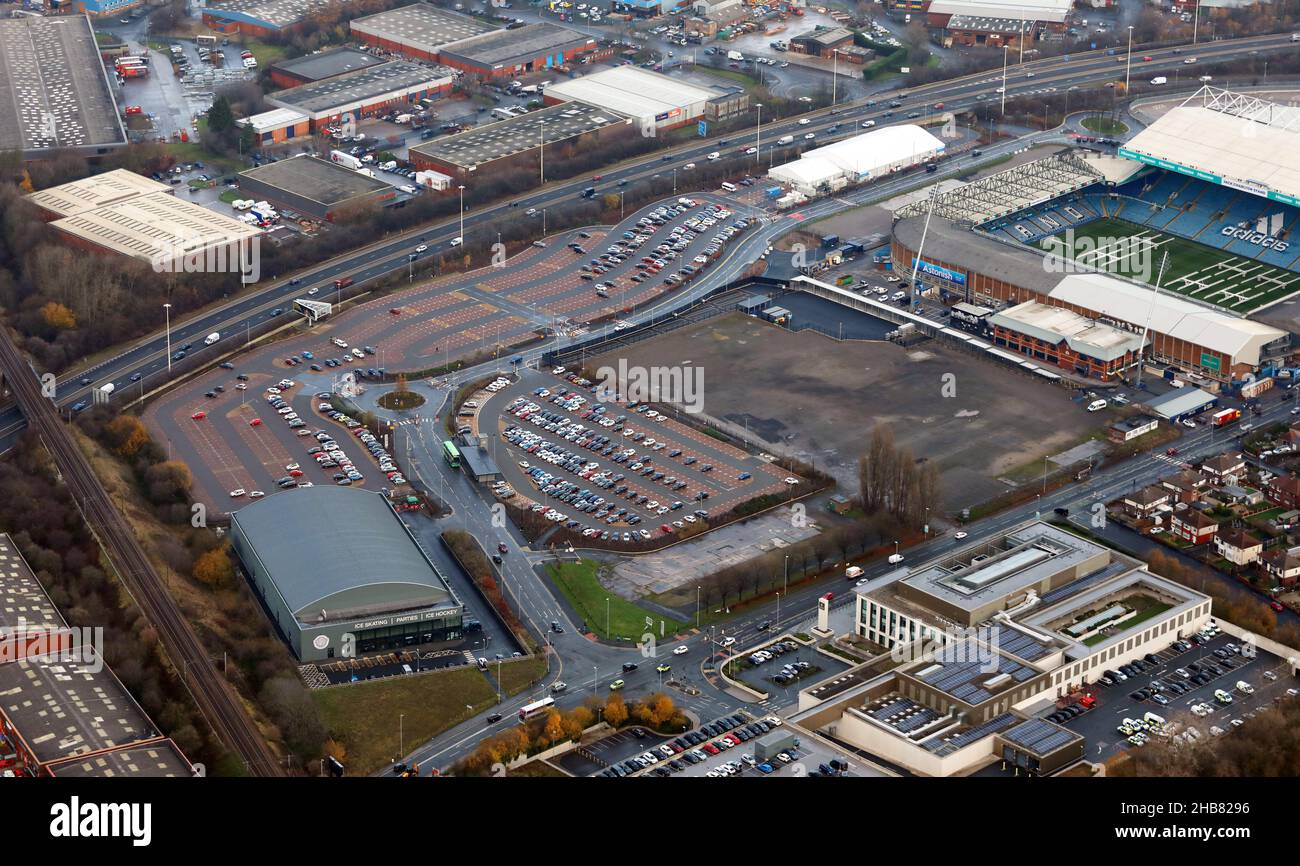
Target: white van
(455,242)
(728,187)
(895,558)
(714,156)
(211,338)
(785,139)
(1097,405)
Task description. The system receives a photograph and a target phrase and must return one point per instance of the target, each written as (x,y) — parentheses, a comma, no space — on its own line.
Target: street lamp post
(758,135)
(541,151)
(1004,78)
(835,74)
(607,627)
(1128,62)
(167,312)
(1196,20)
(697,589)
(674,181)
(462,213)
(401,735)
(785,583)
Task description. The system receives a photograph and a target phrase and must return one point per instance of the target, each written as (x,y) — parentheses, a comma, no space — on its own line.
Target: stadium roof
(861,155)
(352,90)
(157,228)
(950,244)
(500,48)
(421,26)
(93,192)
(1240,339)
(1054,325)
(277,13)
(633,91)
(316,179)
(1030,10)
(327,64)
(485,144)
(339,552)
(1237,140)
(54,89)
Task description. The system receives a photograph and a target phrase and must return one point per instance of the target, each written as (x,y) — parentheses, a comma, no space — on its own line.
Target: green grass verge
(1103,125)
(365,716)
(577,580)
(518,676)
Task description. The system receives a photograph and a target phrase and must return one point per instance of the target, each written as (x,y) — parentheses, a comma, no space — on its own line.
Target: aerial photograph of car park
(651,388)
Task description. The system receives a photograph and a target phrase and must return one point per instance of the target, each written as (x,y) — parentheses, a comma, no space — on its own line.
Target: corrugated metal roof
(633,91)
(1239,339)
(337,549)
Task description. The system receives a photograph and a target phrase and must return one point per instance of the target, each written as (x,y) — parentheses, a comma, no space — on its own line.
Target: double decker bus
(535,709)
(451,454)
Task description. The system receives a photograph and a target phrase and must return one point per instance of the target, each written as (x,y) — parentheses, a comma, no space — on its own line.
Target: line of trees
(200,572)
(657,711)
(895,482)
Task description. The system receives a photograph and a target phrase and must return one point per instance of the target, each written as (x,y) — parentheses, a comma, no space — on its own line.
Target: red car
(198,416)
(395,311)
(710,748)
(295,473)
(598,177)
(503,547)
(1276,606)
(256,422)
(1146,58)
(666,528)
(132,109)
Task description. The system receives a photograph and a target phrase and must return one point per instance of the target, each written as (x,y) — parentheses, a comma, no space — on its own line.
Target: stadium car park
(210,421)
(617,471)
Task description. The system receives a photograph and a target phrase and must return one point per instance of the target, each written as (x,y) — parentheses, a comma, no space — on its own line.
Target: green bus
(451,454)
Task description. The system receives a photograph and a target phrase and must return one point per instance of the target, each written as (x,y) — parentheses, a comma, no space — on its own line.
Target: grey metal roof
(339,550)
(1180,402)
(512,47)
(328,64)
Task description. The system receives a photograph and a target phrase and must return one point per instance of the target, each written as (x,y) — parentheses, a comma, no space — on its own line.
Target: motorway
(148,357)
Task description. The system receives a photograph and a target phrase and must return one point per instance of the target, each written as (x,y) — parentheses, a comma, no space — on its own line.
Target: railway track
(215,697)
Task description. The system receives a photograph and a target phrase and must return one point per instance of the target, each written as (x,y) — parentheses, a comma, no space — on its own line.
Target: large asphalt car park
(1266,674)
(447,318)
(783,667)
(669,462)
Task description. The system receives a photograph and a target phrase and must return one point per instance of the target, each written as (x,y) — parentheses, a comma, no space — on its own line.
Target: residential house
(1228,468)
(1238,547)
(1284,490)
(1283,564)
(1187,486)
(1144,502)
(1193,526)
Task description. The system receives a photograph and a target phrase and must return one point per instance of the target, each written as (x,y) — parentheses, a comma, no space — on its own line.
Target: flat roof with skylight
(520,134)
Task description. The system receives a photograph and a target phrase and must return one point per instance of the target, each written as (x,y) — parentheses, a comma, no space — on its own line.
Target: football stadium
(1180,236)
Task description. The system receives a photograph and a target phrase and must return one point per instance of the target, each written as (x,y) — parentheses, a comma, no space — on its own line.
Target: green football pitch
(1209,275)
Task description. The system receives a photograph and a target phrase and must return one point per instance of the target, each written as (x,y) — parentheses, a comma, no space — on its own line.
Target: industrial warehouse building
(313,187)
(63,712)
(258,17)
(122,213)
(320,66)
(511,53)
(989,633)
(278,126)
(858,159)
(998,22)
(651,99)
(514,142)
(365,586)
(417,31)
(365,92)
(55,90)
(1211,346)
